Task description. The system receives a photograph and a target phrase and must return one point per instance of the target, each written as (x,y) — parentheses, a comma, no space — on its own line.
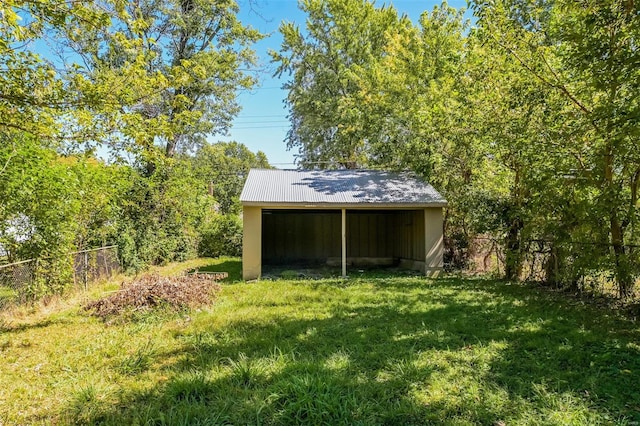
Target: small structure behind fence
(89,266)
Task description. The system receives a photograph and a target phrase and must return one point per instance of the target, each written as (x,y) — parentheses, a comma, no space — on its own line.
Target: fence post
(32,281)
(86,270)
(555,265)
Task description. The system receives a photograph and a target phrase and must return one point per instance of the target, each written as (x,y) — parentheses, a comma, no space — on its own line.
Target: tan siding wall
(434,242)
(251,242)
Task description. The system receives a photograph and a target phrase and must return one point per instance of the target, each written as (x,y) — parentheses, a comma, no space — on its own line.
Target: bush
(162,213)
(221,236)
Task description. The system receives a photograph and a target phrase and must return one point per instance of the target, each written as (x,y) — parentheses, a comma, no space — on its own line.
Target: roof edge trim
(312,205)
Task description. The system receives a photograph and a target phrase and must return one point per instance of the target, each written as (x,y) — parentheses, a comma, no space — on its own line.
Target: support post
(433,241)
(344,242)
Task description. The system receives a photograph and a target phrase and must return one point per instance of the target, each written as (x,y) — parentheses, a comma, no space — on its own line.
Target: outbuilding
(340,218)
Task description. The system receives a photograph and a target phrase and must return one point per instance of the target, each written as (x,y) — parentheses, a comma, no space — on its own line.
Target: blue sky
(262,123)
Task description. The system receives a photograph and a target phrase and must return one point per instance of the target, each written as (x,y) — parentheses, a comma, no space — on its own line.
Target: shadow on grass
(9,327)
(233,266)
(400,351)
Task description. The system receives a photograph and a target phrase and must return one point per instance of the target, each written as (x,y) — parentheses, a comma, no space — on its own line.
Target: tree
(53,205)
(162,214)
(585,54)
(379,101)
(34,93)
(187,60)
(223,168)
(171,215)
(328,108)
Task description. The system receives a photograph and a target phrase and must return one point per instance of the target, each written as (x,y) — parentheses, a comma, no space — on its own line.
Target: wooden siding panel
(300,236)
(419,233)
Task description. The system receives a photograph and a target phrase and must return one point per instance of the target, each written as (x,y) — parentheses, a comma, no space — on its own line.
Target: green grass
(369,350)
(7,295)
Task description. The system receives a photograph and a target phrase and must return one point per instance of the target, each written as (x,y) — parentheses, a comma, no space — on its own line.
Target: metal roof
(337,187)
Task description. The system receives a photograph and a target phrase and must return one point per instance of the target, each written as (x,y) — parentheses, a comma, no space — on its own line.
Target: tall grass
(377,349)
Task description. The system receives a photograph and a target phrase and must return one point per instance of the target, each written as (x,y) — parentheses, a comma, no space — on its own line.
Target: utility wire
(262,121)
(263,88)
(260,127)
(260,116)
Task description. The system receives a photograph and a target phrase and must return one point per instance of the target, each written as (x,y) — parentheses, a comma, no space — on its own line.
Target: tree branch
(557,86)
(6,164)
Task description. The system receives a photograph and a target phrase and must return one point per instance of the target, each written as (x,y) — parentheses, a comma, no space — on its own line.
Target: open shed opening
(303,238)
(313,238)
(385,238)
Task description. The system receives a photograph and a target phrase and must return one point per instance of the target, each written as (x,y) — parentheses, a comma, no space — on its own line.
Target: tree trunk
(552,268)
(513,257)
(624,279)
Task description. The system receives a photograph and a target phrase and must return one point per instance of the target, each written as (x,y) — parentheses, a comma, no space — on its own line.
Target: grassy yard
(368,350)
(7,295)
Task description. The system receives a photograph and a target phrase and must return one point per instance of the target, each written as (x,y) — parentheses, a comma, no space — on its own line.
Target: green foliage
(58,204)
(221,235)
(53,276)
(328,98)
(169,214)
(223,167)
(162,215)
(187,59)
(34,91)
(53,205)
(570,77)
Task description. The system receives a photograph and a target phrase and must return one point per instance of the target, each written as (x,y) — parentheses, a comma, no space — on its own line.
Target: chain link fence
(93,265)
(576,265)
(89,266)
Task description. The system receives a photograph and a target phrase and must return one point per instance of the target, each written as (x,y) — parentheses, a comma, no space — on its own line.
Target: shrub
(221,235)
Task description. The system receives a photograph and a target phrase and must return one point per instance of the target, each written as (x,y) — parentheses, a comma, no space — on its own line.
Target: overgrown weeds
(138,361)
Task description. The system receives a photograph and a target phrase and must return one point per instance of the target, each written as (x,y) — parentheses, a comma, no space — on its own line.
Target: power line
(263,88)
(261,116)
(262,122)
(260,127)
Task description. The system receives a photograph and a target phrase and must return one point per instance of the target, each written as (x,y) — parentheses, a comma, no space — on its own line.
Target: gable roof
(275,187)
